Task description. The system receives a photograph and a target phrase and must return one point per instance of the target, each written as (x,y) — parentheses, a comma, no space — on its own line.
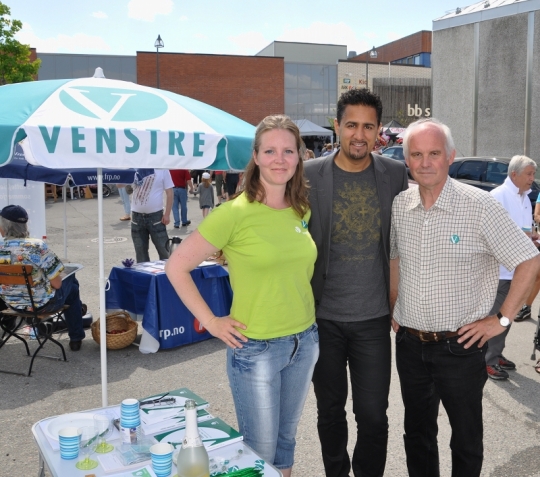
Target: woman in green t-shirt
(271,333)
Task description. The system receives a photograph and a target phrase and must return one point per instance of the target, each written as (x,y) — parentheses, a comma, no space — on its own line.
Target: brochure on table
(173,423)
(159,266)
(171,405)
(214,433)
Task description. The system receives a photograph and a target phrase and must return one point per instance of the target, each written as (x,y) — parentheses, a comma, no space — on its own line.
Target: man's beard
(358,156)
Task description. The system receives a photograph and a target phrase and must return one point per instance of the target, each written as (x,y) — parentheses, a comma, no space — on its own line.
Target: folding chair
(50,191)
(22,275)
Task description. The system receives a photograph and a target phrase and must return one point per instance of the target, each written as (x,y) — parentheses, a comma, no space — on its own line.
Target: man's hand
(166,219)
(395,325)
(481,331)
(224,328)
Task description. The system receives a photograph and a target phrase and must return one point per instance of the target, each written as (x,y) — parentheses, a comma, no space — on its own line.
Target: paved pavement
(511,408)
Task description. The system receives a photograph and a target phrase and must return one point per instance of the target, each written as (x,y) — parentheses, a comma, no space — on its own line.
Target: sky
(232,27)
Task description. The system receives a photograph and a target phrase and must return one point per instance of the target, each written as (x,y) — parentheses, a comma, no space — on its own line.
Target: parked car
(486,173)
(396,152)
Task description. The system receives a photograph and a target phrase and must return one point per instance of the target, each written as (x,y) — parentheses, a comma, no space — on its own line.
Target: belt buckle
(428,333)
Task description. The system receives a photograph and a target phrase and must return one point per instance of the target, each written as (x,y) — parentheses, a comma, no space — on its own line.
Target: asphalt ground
(511,408)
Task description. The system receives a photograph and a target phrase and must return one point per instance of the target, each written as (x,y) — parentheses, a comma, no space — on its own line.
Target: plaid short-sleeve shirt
(450,255)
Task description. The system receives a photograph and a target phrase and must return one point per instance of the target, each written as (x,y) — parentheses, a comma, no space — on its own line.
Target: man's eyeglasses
(160,401)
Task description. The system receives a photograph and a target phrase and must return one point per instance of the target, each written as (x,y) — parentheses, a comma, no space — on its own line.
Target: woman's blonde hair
(296,190)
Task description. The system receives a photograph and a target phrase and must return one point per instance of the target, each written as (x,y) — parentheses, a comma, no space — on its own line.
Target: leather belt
(142,213)
(431,335)
(179,187)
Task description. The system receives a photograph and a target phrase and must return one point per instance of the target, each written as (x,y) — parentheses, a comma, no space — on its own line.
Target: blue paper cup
(69,439)
(129,413)
(162,459)
(130,405)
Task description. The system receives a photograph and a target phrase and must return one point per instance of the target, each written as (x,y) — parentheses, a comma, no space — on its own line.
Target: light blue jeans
(179,200)
(269,381)
(126,201)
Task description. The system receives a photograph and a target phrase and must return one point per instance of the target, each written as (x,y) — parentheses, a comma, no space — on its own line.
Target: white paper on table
(206,263)
(145,471)
(112,464)
(150,267)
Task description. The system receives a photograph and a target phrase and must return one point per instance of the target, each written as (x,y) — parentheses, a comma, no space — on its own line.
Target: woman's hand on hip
(225,328)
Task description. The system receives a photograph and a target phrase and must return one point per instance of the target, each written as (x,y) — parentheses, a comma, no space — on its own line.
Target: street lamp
(158,44)
(372,54)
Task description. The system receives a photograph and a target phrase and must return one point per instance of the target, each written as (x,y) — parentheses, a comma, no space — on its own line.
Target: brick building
(249,87)
(414,49)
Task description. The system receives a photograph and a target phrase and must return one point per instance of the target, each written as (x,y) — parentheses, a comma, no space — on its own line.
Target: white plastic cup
(69,439)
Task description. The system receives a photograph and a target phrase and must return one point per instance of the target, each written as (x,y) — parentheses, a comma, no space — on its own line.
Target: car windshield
(394,153)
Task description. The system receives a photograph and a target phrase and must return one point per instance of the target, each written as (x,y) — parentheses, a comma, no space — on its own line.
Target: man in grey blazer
(351,194)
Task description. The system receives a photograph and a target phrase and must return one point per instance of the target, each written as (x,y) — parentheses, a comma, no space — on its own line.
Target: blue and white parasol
(101,123)
(97,122)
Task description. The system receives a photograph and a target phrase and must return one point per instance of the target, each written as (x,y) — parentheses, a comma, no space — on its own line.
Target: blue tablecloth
(164,316)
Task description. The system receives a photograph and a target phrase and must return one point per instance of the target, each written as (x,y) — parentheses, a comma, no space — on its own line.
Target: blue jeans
(433,372)
(269,381)
(125,200)
(179,198)
(68,294)
(365,347)
(144,227)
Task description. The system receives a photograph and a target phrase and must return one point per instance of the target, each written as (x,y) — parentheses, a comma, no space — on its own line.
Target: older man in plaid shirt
(447,241)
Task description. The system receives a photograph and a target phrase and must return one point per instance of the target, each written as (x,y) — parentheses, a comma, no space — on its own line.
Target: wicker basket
(119,320)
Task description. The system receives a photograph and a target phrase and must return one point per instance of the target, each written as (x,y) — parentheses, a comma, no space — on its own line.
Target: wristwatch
(503,320)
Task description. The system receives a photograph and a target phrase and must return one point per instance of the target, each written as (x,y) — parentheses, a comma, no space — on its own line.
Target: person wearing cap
(206,194)
(50,292)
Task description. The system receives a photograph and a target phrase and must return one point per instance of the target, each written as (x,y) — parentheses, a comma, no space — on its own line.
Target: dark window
(471,170)
(453,169)
(496,172)
(394,153)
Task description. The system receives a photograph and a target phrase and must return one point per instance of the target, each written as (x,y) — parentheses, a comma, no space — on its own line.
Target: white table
(58,467)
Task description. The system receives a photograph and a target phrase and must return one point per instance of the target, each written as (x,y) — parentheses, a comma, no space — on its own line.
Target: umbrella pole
(64,191)
(102,284)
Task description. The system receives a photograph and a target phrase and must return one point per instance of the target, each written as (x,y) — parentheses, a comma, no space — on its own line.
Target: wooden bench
(22,275)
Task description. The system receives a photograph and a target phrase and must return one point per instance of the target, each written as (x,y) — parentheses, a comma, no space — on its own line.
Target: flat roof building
(486,77)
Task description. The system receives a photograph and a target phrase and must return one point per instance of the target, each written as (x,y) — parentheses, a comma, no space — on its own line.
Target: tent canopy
(393,124)
(307,128)
(393,128)
(20,168)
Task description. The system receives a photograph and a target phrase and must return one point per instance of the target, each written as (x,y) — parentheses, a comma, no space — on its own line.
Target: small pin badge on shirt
(454,239)
(304,224)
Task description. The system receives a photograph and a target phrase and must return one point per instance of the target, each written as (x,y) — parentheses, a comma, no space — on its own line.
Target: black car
(486,173)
